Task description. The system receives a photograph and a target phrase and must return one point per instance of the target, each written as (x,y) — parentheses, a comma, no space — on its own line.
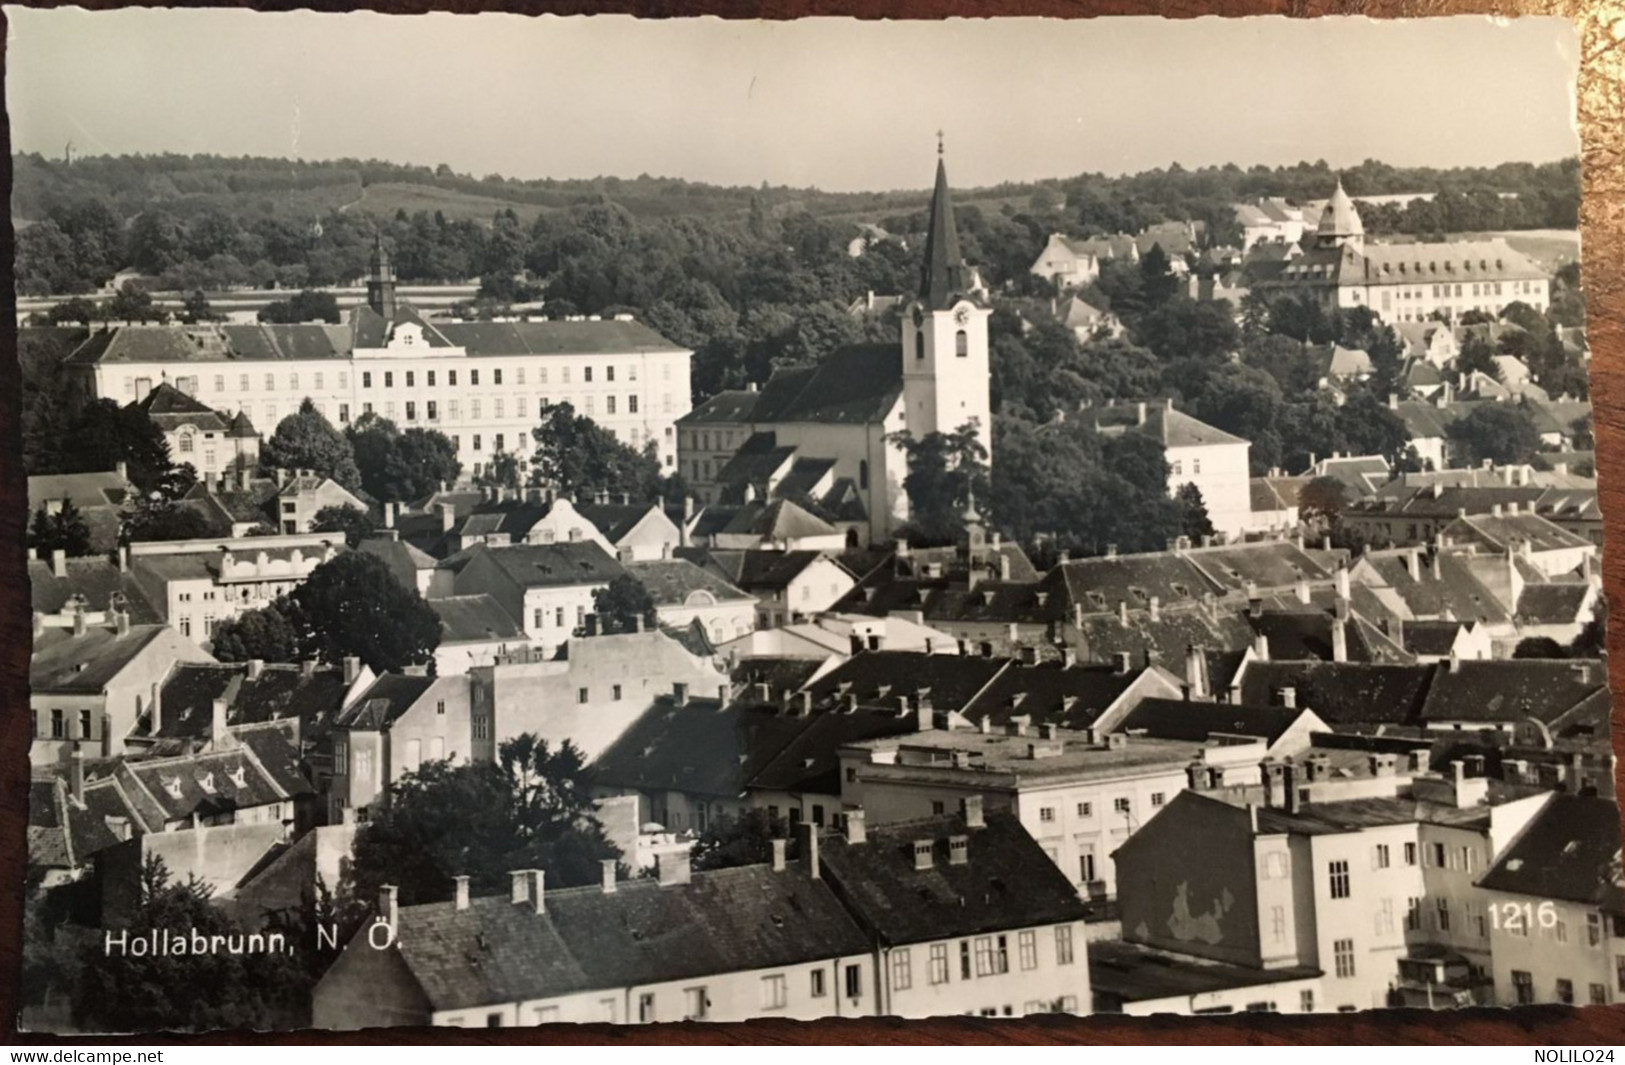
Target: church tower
(944,334)
(381,281)
(1340,224)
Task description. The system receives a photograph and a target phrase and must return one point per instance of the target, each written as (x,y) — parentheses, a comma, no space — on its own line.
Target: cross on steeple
(939,142)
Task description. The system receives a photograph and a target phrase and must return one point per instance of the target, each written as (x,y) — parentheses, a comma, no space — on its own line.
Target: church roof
(1340,219)
(852,386)
(945,279)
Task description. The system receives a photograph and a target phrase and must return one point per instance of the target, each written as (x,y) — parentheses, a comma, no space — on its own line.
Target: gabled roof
(1173,428)
(169,408)
(727,408)
(279,693)
(1179,719)
(63,663)
(1499,532)
(1511,690)
(615,520)
(850,386)
(95,581)
(1006,882)
(390,696)
(754,570)
(553,565)
(260,768)
(879,678)
(699,748)
(723,921)
(671,581)
(809,764)
(1307,634)
(1051,693)
(85,490)
(1570,850)
(1342,693)
(405,562)
(473,619)
(944,277)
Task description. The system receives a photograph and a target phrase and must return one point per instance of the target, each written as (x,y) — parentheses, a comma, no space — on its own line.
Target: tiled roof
(404,560)
(1051,693)
(615,520)
(1511,690)
(1307,634)
(879,678)
(1174,630)
(1570,851)
(758,459)
(1553,604)
(1351,815)
(724,921)
(729,408)
(390,696)
(1499,532)
(671,581)
(279,693)
(1173,428)
(554,565)
(809,764)
(260,768)
(84,489)
(754,570)
(699,748)
(97,582)
(473,618)
(1006,882)
(63,663)
(1342,693)
(170,408)
(1434,638)
(1178,719)
(1133,972)
(851,386)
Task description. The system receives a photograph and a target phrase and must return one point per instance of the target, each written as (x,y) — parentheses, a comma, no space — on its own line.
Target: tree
(730,841)
(132,304)
(77,310)
(356,525)
(1539,647)
(121,991)
(306,306)
(197,309)
(105,434)
(154,518)
(305,440)
(1500,432)
(265,634)
(531,808)
(420,462)
(63,531)
(1195,522)
(945,471)
(622,604)
(1322,501)
(1477,355)
(575,454)
(353,606)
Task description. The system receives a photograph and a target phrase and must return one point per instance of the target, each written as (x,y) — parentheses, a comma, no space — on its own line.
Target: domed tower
(381,281)
(944,334)
(1340,222)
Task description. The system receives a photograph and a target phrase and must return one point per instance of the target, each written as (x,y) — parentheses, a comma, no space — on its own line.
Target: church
(822,435)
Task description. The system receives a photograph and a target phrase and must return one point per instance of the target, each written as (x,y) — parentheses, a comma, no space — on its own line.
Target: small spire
(939,142)
(971,516)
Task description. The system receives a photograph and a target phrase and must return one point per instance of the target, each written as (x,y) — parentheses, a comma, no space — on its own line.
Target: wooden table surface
(1601,101)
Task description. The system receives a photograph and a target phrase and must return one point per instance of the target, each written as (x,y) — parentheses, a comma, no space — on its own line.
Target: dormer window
(206,782)
(172,785)
(239,778)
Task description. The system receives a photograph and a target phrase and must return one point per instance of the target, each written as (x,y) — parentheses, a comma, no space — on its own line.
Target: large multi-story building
(480,383)
(1402,282)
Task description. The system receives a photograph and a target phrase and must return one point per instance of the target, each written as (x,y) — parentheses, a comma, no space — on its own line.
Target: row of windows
(1523,987)
(409,378)
(1123,804)
(59,724)
(983,956)
(961,344)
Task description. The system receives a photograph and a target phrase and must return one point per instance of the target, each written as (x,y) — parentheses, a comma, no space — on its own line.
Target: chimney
(76,774)
(59,563)
(1290,799)
(1139,414)
(1255,602)
(448,516)
(924,853)
(538,895)
(1004,567)
(679,693)
(352,669)
(123,558)
(607,866)
(217,723)
(388,895)
(122,471)
(809,847)
(1340,639)
(1393,401)
(1261,647)
(245,478)
(857,828)
(1343,583)
(79,620)
(121,622)
(1122,612)
(1125,661)
(673,867)
(958,850)
(256,666)
(462,891)
(1289,697)
(1155,607)
(281,477)
(389,515)
(1111,550)
(973,812)
(1196,671)
(1303,590)
(519,886)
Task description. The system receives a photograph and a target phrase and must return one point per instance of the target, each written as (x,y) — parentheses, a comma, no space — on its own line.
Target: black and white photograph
(557,520)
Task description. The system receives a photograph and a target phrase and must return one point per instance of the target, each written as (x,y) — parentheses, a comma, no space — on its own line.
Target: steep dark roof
(878,678)
(724,407)
(753,570)
(1307,634)
(279,693)
(1007,881)
(390,696)
(97,582)
(64,663)
(476,618)
(553,565)
(670,581)
(810,764)
(851,386)
(614,520)
(1434,638)
(944,277)
(1342,693)
(1051,694)
(404,560)
(170,408)
(1176,719)
(1569,850)
(699,748)
(1511,689)
(724,921)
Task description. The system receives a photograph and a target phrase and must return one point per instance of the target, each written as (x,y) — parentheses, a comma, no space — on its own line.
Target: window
(451,409)
(473,377)
(1278,924)
(854,981)
(497,442)
(344,412)
(1523,986)
(1046,813)
(902,969)
(694,1003)
(1619,972)
(432,410)
(1122,805)
(84,724)
(1086,864)
(59,725)
(493,1020)
(964,959)
(496,376)
(186,442)
(961,344)
(451,377)
(1436,856)
(440,707)
(1443,918)
(1063,944)
(389,379)
(1599,995)
(1565,991)
(1343,957)
(919,345)
(1158,798)
(270,382)
(581,695)
(1306,1000)
(473,408)
(1086,809)
(476,440)
(1593,930)
(1560,931)
(817,990)
(558,617)
(631,404)
(1379,856)
(646,1007)
(1027,949)
(609,404)
(411,411)
(363,765)
(1339,872)
(939,963)
(1410,854)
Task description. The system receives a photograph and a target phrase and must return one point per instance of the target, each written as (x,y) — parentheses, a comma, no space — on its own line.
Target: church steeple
(944,278)
(381,280)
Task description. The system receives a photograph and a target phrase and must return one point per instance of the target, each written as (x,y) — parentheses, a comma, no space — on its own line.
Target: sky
(837,104)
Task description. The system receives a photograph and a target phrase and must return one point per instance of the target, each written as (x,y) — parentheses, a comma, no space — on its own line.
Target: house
(665,948)
(99,498)
(1440,641)
(93,682)
(1335,364)
(197,434)
(683,593)
(394,726)
(411,567)
(592,692)
(480,383)
(60,587)
(781,524)
(1557,906)
(1549,549)
(547,588)
(1086,320)
(474,629)
(1375,893)
(1067,262)
(1269,220)
(846,410)
(964,912)
(1274,505)
(1139,980)
(834,635)
(1361,475)
(1402,282)
(788,585)
(1433,342)
(196,584)
(1214,461)
(625,530)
